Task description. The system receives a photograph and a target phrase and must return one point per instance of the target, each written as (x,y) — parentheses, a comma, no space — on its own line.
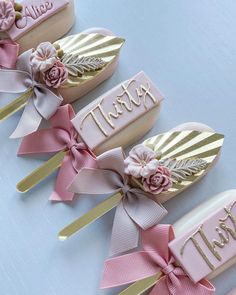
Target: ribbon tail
(127,269)
(125,233)
(183,285)
(29,121)
(8,53)
(103,182)
(144,211)
(46,102)
(65,174)
(41,142)
(13,81)
(161,288)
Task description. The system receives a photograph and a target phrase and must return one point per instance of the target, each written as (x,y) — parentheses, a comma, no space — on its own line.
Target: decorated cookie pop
(130,108)
(59,73)
(30,22)
(155,171)
(180,259)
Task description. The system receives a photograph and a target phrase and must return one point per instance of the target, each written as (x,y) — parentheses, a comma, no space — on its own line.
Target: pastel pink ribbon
(61,136)
(43,103)
(8,54)
(155,257)
(136,210)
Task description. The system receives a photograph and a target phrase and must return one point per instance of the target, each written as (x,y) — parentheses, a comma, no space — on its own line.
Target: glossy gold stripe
(90,216)
(193,150)
(97,45)
(15,105)
(153,142)
(184,143)
(41,173)
(169,140)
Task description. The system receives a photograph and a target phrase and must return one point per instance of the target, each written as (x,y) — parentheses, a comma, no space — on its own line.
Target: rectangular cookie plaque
(207,247)
(33,13)
(117,109)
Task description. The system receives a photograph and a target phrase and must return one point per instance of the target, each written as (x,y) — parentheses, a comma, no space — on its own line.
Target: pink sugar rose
(56,76)
(158,182)
(7,15)
(44,57)
(141,162)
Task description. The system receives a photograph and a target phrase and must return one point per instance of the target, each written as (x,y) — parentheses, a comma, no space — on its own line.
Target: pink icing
(7,15)
(221,227)
(34,12)
(127,102)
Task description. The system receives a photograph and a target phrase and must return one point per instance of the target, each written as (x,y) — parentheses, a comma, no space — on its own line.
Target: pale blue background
(188,48)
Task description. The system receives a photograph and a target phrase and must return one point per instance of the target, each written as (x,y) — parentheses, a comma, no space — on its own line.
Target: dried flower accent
(141,162)
(158,182)
(77,65)
(44,57)
(7,15)
(56,76)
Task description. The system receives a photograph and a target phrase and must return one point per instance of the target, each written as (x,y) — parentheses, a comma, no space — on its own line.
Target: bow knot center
(73,144)
(126,188)
(168,269)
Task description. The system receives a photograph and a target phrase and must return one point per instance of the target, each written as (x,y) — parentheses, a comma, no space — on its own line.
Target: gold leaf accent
(182,169)
(91,45)
(79,65)
(184,145)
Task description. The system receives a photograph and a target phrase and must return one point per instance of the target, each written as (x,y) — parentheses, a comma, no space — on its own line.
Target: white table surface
(188,48)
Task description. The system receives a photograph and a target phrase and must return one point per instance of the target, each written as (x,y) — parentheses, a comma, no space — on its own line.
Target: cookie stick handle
(90,216)
(41,173)
(15,105)
(142,286)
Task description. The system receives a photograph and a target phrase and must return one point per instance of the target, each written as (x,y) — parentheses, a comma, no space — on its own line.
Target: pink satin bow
(61,136)
(136,209)
(154,258)
(8,54)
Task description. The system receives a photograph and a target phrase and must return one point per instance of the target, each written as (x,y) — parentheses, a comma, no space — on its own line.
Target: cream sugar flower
(141,162)
(44,57)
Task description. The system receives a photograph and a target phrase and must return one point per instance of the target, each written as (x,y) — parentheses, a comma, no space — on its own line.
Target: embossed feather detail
(181,169)
(78,65)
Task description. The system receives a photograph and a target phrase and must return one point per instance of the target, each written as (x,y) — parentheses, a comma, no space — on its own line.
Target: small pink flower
(56,76)
(7,15)
(158,182)
(141,162)
(44,57)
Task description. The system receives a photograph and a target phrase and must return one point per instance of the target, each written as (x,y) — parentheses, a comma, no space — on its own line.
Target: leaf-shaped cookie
(95,45)
(188,154)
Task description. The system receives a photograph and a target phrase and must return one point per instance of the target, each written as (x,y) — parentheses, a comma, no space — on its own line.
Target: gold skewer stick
(42,172)
(142,286)
(90,216)
(15,105)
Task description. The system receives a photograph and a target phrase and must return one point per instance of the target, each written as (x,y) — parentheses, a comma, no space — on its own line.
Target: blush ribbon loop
(154,258)
(136,209)
(43,102)
(62,136)
(8,54)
